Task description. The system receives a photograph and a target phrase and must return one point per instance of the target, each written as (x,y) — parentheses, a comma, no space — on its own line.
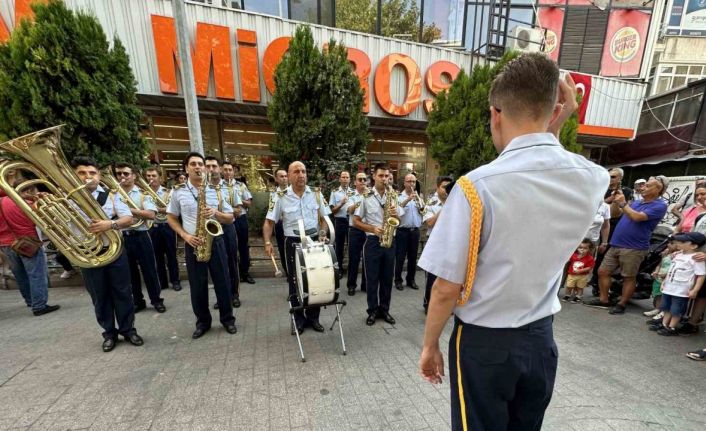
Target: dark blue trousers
(198,284)
(165,252)
(341,229)
(431,278)
(109,287)
(378,264)
(231,241)
(406,246)
(356,240)
(279,236)
(140,256)
(312,314)
(506,375)
(241,228)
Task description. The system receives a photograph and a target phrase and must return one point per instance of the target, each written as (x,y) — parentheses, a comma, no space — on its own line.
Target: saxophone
(159,202)
(389,223)
(206,229)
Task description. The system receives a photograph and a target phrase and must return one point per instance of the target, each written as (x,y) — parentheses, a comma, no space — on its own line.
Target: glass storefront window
(305,10)
(477,19)
(270,7)
(447,16)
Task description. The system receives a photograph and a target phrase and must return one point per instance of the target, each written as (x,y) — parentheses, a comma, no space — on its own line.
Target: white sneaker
(651,313)
(67,274)
(658,316)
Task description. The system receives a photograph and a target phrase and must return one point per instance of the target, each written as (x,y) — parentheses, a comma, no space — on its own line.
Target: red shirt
(21,224)
(577,263)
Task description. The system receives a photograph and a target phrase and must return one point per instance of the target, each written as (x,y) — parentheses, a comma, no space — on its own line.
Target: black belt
(343,218)
(308,232)
(544,321)
(412,229)
(133,232)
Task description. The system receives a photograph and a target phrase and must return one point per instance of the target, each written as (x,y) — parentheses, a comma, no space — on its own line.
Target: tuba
(65,212)
(142,184)
(389,223)
(206,229)
(112,184)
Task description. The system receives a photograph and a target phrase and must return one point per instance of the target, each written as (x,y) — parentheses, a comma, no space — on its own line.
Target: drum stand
(339,306)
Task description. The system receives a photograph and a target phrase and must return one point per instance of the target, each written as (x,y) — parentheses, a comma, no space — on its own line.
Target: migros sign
(212,50)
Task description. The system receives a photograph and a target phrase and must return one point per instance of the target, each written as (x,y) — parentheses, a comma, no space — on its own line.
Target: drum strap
(474,236)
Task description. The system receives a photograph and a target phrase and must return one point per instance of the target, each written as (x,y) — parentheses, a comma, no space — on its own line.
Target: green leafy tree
(399,17)
(60,69)
(459,124)
(317,109)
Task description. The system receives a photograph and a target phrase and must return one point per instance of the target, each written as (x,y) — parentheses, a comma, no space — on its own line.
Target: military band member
(502,355)
(430,216)
(229,236)
(280,190)
(184,204)
(379,262)
(140,253)
(109,285)
(339,202)
(163,237)
(241,222)
(356,237)
(300,202)
(407,237)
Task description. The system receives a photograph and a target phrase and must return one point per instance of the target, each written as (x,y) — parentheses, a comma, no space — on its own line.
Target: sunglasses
(661,181)
(361,179)
(613,177)
(123,174)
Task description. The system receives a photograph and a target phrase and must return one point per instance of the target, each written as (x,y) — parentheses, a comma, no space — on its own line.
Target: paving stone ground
(613,373)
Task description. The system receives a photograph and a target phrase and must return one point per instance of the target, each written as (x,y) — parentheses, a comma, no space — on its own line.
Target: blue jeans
(31,276)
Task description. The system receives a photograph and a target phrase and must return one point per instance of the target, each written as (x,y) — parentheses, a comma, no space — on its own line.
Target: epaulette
(281,193)
(367,193)
(177,186)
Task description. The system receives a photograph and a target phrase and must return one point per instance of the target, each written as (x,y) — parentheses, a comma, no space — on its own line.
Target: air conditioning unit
(523,38)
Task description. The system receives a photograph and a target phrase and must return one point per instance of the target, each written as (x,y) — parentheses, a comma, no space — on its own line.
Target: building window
(671,76)
(270,7)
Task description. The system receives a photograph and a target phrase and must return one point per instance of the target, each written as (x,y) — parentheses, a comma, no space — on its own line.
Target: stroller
(643,288)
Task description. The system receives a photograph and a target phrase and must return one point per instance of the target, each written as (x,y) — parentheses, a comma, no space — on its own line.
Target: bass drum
(317,274)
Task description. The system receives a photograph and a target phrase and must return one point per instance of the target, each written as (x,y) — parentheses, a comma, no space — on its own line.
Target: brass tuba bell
(65,212)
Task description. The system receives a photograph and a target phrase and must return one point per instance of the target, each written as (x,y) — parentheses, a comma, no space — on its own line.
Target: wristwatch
(621,206)
(114,225)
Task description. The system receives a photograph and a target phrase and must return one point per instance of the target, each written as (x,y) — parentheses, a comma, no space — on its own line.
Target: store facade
(235,54)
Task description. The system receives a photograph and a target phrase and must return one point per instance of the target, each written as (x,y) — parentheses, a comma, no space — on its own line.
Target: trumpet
(145,187)
(114,187)
(65,212)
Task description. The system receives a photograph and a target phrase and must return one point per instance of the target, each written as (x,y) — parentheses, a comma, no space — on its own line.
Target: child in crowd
(658,275)
(683,281)
(580,267)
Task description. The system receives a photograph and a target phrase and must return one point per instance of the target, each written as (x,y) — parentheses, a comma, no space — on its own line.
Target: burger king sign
(625,44)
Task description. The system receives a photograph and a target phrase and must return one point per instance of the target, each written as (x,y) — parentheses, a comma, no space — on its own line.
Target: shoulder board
(367,194)
(178,186)
(316,189)
(281,193)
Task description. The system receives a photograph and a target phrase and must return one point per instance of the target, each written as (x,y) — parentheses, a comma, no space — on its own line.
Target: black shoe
(215,306)
(140,307)
(176,286)
(316,326)
(387,318)
(413,286)
(618,309)
(363,289)
(299,328)
(198,333)
(248,279)
(596,303)
(231,329)
(688,329)
(45,310)
(236,302)
(109,344)
(656,327)
(134,339)
(370,321)
(351,292)
(667,332)
(398,285)
(160,307)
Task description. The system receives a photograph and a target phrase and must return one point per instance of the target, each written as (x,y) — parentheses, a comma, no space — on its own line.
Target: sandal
(698,355)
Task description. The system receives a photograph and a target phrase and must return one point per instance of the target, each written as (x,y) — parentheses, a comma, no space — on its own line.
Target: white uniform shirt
(142,201)
(113,207)
(231,196)
(163,194)
(431,211)
(411,217)
(603,214)
(357,197)
(243,193)
(184,203)
(336,197)
(372,209)
(290,208)
(538,201)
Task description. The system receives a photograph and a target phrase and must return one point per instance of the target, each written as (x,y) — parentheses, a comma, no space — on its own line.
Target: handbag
(26,246)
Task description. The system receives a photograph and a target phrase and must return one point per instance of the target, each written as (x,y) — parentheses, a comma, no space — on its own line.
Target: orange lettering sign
(362,68)
(212,45)
(23,9)
(383,75)
(248,66)
(434,79)
(4,31)
(273,55)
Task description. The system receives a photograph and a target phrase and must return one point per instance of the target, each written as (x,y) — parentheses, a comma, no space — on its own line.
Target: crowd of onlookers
(622,254)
